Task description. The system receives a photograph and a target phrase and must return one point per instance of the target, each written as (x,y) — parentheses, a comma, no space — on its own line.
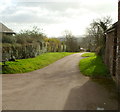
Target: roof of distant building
(5,29)
(112,28)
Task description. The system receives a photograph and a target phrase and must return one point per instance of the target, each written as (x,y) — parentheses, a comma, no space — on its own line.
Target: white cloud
(54,16)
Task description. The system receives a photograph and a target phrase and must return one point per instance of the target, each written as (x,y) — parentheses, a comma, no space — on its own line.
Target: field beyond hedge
(31,64)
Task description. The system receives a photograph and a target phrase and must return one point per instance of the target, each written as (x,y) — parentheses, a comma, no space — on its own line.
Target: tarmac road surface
(59,86)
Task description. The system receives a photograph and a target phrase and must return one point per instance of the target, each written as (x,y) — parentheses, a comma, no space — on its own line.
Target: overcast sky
(55,16)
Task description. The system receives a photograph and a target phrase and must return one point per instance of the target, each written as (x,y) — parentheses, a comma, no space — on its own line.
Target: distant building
(5,30)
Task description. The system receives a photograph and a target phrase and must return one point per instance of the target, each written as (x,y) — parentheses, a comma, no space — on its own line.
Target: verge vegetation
(31,64)
(88,54)
(93,66)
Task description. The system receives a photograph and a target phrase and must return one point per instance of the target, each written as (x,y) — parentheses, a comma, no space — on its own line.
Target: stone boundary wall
(118,48)
(112,51)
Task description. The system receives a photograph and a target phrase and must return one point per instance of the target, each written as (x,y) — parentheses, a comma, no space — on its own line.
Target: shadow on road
(90,96)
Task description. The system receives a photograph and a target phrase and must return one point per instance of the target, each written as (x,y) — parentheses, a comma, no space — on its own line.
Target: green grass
(31,64)
(93,66)
(88,54)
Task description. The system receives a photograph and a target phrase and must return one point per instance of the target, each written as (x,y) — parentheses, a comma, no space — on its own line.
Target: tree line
(28,43)
(95,38)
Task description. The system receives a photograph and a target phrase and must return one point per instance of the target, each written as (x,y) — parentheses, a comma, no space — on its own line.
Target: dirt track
(59,86)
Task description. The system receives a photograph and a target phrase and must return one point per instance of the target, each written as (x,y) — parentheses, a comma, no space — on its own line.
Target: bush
(28,44)
(21,51)
(8,39)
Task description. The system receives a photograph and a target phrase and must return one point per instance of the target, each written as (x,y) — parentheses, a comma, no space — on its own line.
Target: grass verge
(31,64)
(93,66)
(88,54)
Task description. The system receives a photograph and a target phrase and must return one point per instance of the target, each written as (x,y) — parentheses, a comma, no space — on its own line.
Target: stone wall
(118,48)
(110,50)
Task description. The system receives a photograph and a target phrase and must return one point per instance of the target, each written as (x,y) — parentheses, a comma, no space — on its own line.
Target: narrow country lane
(59,86)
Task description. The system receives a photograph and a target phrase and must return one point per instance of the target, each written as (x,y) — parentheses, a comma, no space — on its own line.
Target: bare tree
(71,41)
(96,33)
